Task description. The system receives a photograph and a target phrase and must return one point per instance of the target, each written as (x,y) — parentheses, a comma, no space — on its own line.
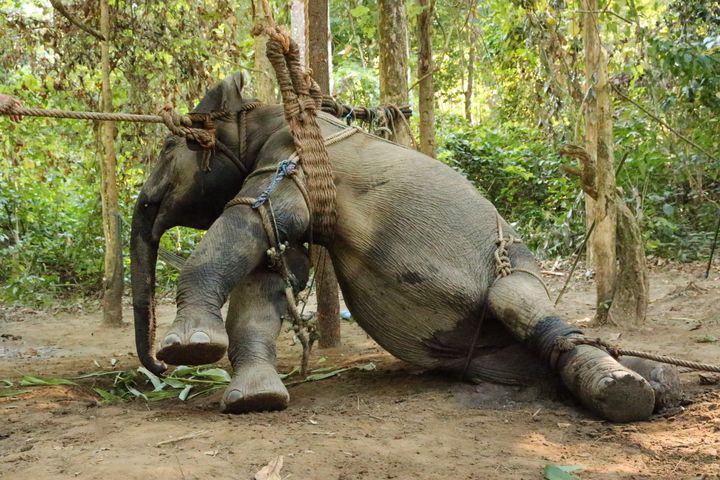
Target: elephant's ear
(225,96)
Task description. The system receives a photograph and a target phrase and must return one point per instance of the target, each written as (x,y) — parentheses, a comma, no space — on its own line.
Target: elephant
(414,252)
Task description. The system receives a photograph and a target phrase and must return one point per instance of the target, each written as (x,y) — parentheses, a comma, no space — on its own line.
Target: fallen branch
(189,436)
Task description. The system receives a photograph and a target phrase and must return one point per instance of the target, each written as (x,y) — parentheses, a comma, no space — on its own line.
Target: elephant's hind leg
(605,386)
(510,365)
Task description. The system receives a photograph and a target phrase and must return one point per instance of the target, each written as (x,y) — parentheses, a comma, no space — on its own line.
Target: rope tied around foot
(303,327)
(566,344)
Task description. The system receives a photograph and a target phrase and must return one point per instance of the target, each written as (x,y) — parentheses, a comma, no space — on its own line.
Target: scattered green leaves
(183,383)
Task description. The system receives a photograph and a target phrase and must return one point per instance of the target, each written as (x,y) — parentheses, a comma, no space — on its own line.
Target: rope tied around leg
(304,328)
(503,265)
(566,344)
(301,100)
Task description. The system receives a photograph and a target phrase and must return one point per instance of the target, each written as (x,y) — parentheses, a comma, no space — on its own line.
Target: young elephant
(414,253)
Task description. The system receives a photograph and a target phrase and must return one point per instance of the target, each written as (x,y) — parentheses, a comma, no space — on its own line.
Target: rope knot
(181,125)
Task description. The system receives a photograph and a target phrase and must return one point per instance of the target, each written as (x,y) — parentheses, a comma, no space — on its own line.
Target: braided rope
(301,100)
(503,265)
(565,344)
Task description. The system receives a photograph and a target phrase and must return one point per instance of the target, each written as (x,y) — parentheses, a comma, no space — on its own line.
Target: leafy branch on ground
(184,382)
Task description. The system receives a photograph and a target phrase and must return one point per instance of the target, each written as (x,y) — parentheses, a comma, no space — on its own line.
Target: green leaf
(359,11)
(107,397)
(12,393)
(215,374)
(157,383)
(292,372)
(31,381)
(185,392)
(560,472)
(174,382)
(137,393)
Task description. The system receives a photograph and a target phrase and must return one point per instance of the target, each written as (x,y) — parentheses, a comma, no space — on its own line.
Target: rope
(503,268)
(278,263)
(565,344)
(301,100)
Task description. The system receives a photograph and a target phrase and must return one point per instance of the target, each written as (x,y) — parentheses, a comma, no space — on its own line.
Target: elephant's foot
(194,342)
(602,384)
(255,388)
(664,380)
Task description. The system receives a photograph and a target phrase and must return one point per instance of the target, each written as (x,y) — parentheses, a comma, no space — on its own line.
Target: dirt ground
(395,422)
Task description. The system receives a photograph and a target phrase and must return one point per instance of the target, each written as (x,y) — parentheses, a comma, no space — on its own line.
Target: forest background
(508,82)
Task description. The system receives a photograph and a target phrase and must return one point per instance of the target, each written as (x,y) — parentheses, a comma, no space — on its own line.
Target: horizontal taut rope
(565,344)
(329,105)
(99,116)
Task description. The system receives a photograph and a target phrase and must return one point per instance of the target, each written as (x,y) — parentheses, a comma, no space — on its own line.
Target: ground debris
(271,471)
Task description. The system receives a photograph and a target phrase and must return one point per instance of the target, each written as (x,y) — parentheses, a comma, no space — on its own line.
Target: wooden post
(319,60)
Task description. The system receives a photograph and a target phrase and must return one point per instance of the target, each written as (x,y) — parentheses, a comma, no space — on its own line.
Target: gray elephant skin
(414,254)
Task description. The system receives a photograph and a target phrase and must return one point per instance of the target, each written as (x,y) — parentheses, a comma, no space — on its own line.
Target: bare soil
(394,422)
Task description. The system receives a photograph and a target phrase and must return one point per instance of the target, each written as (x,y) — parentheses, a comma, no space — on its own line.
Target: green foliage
(183,383)
(520,173)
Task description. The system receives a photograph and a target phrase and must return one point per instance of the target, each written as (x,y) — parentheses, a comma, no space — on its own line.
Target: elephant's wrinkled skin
(413,251)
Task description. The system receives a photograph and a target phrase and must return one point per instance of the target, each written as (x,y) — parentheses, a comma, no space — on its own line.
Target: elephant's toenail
(233,396)
(171,339)
(200,337)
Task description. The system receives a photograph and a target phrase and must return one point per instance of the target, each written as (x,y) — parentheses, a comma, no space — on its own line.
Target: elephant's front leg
(234,247)
(253,324)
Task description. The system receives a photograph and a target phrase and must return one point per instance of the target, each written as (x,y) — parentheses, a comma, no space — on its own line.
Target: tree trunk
(318,43)
(393,40)
(113,278)
(263,74)
(319,60)
(599,145)
(298,27)
(632,292)
(425,75)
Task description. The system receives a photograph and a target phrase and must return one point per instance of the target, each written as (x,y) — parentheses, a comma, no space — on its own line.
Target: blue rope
(349,117)
(285,168)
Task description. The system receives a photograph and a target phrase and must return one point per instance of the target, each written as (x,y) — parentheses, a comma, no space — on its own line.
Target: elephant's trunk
(143,255)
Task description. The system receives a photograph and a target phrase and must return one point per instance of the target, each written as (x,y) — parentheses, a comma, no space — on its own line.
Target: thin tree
(319,60)
(262,74)
(622,297)
(113,262)
(393,42)
(113,281)
(426,96)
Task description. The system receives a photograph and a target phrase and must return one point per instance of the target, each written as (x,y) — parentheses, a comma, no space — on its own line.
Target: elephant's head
(179,192)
